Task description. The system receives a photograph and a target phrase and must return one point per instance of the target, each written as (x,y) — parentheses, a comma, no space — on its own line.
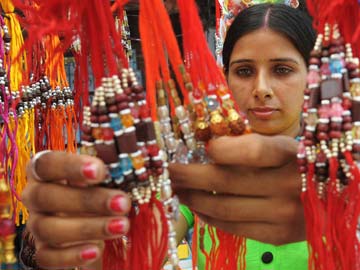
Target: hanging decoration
(8,147)
(216,114)
(116,124)
(328,154)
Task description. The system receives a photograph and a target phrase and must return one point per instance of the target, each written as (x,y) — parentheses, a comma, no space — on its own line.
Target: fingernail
(116,226)
(89,254)
(119,203)
(89,170)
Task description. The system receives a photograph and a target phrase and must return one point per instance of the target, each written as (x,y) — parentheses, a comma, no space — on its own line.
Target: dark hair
(295,24)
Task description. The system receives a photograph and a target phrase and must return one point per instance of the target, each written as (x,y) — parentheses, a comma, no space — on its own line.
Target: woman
(265,59)
(257,187)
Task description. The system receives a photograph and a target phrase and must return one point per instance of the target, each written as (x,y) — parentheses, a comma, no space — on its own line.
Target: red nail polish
(89,254)
(89,170)
(118,203)
(116,226)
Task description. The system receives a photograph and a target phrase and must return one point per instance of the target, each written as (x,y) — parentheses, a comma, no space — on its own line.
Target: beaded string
(328,153)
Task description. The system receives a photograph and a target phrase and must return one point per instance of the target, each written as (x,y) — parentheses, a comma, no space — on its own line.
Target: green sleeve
(188,215)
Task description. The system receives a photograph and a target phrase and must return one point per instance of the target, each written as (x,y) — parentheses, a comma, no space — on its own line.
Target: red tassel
(227,252)
(147,241)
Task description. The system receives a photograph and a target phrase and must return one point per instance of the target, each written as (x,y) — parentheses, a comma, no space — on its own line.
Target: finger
(275,234)
(231,208)
(253,150)
(76,169)
(211,177)
(53,198)
(69,257)
(237,180)
(59,231)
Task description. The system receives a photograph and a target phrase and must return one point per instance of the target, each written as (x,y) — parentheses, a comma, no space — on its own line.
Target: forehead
(264,44)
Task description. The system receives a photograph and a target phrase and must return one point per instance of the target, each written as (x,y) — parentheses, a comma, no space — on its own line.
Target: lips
(263,113)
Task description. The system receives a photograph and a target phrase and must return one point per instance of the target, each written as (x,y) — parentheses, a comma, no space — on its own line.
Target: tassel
(144,247)
(227,251)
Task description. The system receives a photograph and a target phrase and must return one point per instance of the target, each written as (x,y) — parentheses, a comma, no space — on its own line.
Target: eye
(283,70)
(244,71)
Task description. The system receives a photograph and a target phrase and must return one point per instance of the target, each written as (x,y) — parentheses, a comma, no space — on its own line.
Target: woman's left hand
(251,189)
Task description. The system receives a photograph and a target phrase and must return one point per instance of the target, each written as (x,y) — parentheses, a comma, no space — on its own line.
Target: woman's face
(267,75)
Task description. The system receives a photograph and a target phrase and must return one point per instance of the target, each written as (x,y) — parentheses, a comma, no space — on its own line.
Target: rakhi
(328,155)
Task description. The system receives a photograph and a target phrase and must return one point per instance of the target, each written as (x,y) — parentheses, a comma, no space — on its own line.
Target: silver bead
(180,112)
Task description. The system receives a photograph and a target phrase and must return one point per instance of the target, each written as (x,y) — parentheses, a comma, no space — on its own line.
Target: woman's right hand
(69,215)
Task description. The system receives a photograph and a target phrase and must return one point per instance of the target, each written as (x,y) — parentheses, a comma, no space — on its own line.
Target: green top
(292,256)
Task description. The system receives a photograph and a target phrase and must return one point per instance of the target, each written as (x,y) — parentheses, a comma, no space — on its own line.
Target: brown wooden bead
(346,81)
(346,103)
(331,88)
(343,179)
(335,134)
(122,106)
(314,97)
(302,169)
(138,89)
(335,126)
(301,161)
(321,178)
(315,53)
(102,110)
(147,163)
(314,61)
(143,176)
(347,119)
(159,171)
(145,131)
(354,74)
(86,137)
(141,131)
(341,48)
(128,91)
(351,66)
(308,142)
(157,163)
(94,110)
(140,96)
(355,109)
(121,97)
(86,129)
(110,100)
(150,131)
(333,49)
(323,127)
(104,119)
(106,152)
(322,136)
(347,126)
(127,142)
(309,135)
(94,119)
(325,53)
(113,109)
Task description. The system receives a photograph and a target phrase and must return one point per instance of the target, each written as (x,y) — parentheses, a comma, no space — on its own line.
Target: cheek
(292,99)
(241,92)
(240,98)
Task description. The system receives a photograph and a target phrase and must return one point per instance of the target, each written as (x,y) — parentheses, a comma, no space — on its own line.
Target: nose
(262,88)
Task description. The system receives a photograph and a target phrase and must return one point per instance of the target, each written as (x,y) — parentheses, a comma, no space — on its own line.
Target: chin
(264,129)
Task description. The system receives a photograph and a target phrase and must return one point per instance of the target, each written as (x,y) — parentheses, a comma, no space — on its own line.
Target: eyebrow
(285,59)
